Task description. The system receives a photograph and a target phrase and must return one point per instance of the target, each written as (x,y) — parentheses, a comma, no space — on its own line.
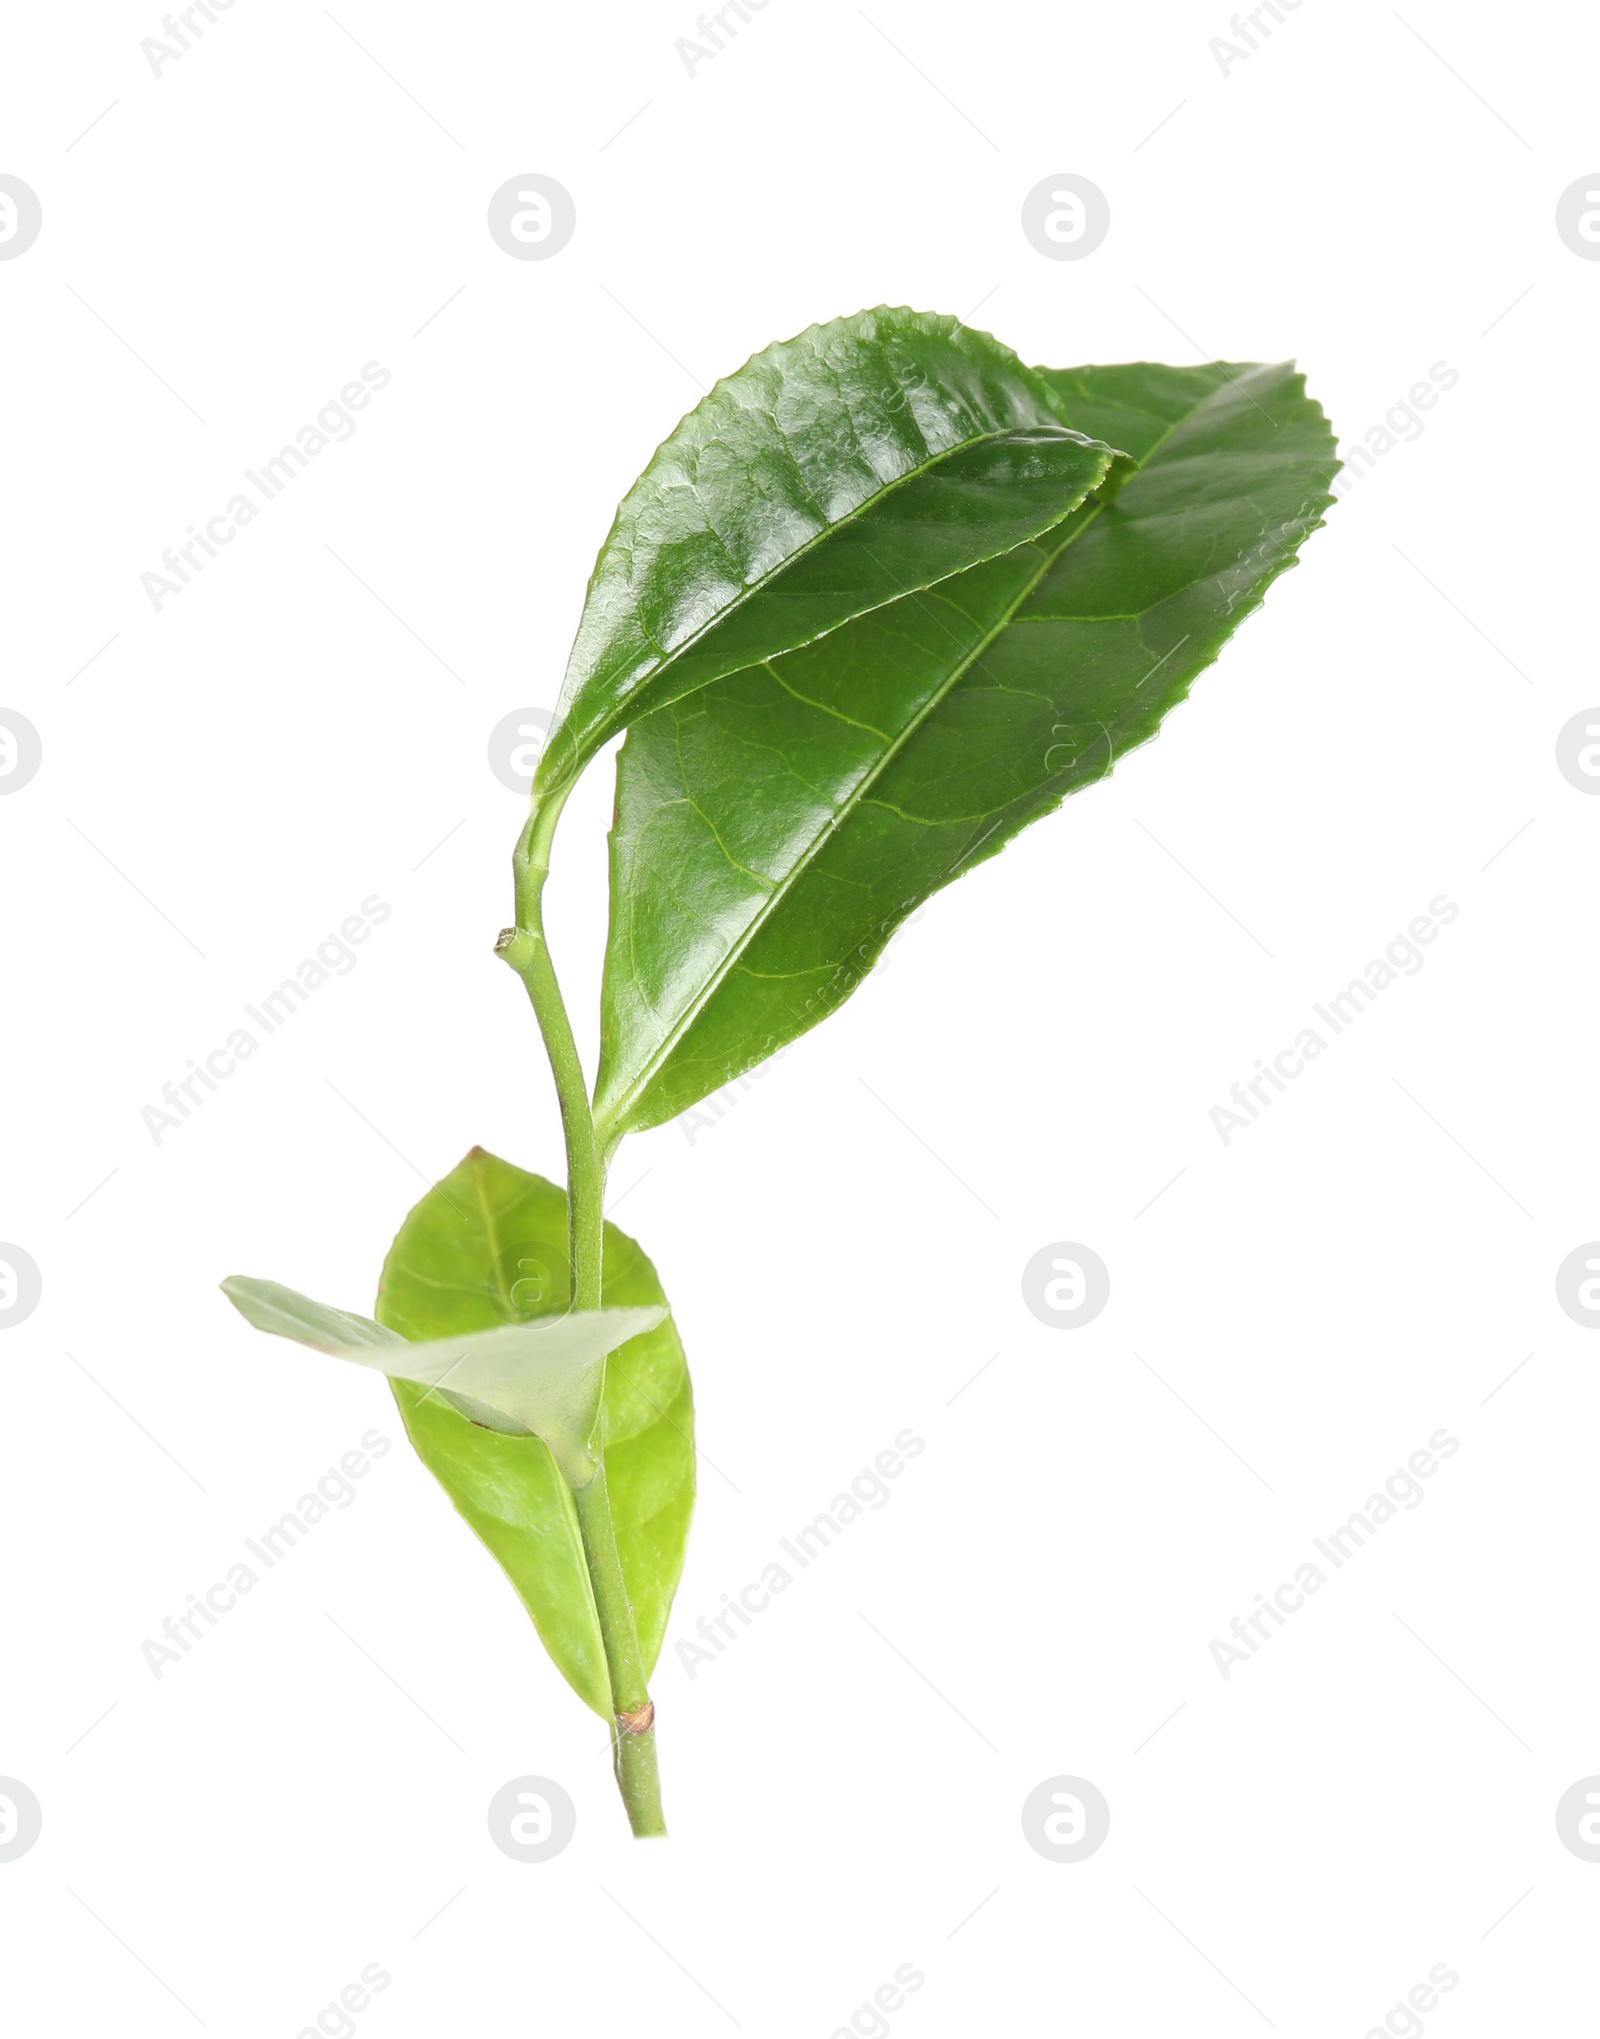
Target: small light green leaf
(486,1247)
(269,1306)
(774,828)
(831,473)
(537,1380)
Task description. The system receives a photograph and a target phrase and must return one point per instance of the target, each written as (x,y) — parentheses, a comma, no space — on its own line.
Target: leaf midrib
(858,792)
(492,1235)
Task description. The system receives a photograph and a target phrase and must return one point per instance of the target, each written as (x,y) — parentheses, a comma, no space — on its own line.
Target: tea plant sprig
(883,598)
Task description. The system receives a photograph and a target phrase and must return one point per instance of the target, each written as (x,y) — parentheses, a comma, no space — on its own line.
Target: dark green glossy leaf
(486,1247)
(774,828)
(539,1379)
(832,473)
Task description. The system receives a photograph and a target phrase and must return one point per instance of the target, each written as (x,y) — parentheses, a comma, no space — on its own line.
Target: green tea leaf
(486,1247)
(525,1380)
(775,827)
(285,1313)
(832,473)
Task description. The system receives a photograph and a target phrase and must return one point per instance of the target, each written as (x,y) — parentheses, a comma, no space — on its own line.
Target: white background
(306,725)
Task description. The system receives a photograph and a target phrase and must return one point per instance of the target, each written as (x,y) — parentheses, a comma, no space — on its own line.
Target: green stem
(524,947)
(633,1735)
